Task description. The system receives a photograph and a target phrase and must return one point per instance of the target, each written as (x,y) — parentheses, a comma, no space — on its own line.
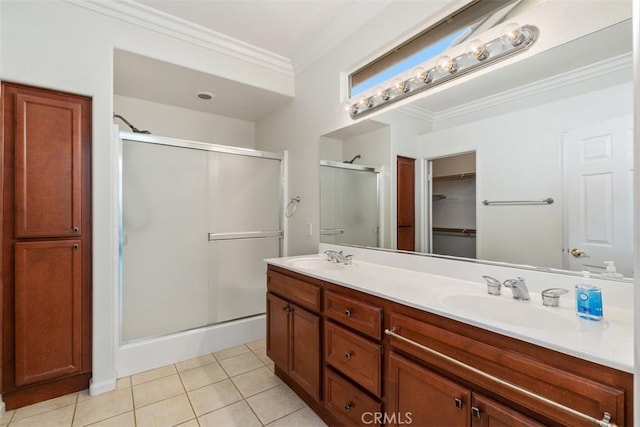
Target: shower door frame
(359,168)
(202,146)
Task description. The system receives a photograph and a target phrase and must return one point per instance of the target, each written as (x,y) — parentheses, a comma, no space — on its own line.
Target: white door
(598,184)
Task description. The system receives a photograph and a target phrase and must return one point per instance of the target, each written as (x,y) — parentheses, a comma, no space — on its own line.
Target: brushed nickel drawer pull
(348,355)
(347,312)
(286,309)
(458,402)
(348,406)
(75,246)
(76,229)
(604,422)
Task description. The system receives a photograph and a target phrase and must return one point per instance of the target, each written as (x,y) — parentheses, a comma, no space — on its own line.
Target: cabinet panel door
(48,310)
(489,413)
(278,331)
(305,350)
(417,396)
(48,157)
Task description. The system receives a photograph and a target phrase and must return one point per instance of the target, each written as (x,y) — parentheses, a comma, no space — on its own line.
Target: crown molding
(417,112)
(592,71)
(169,25)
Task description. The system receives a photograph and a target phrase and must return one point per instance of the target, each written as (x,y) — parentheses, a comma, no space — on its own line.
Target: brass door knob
(576,252)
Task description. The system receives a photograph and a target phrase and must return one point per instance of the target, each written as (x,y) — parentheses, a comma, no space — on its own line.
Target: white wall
(59,45)
(534,134)
(176,122)
(636,184)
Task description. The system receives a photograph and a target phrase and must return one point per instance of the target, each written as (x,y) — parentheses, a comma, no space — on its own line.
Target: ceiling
(299,30)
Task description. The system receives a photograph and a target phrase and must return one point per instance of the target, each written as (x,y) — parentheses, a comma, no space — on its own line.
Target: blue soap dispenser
(588,299)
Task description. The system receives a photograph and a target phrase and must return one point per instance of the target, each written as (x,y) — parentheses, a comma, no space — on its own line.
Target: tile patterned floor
(232,387)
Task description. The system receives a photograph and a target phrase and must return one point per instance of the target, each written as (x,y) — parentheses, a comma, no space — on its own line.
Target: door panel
(48,167)
(493,414)
(278,331)
(598,176)
(48,310)
(406,210)
(305,350)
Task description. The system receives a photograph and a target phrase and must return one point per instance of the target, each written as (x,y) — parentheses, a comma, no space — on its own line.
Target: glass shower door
(245,228)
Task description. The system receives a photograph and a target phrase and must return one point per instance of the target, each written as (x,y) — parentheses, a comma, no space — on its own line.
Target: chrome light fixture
(513,39)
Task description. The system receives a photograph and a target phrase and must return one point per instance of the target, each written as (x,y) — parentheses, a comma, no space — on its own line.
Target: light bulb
(423,75)
(401,85)
(446,65)
(384,93)
(512,34)
(476,49)
(366,101)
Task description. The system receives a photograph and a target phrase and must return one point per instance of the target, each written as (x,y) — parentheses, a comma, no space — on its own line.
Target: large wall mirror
(528,164)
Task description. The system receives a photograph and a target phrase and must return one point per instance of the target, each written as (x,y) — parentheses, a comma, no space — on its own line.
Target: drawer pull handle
(475,412)
(76,229)
(458,403)
(348,406)
(348,355)
(604,422)
(347,312)
(286,309)
(75,246)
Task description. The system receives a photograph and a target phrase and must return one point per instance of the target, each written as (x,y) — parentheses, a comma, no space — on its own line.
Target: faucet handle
(551,297)
(348,259)
(493,285)
(510,283)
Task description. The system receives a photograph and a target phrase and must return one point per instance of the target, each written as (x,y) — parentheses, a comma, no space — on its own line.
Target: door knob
(577,252)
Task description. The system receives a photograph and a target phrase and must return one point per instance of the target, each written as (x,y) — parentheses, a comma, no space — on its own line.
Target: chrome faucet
(519,288)
(338,257)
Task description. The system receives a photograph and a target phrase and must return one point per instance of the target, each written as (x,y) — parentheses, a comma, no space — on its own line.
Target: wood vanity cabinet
(293,332)
(46,244)
(372,378)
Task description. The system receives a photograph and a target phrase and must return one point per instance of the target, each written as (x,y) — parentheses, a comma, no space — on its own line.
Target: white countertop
(608,342)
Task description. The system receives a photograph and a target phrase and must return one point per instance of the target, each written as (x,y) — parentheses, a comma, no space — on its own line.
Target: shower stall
(197,221)
(349,204)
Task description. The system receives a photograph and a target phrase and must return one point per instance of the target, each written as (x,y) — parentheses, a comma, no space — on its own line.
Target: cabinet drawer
(363,317)
(354,356)
(294,290)
(347,403)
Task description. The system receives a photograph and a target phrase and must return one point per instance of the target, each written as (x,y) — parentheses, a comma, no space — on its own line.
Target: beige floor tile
(240,364)
(230,352)
(157,390)
(47,405)
(262,355)
(61,417)
(195,362)
(170,412)
(302,417)
(123,420)
(236,415)
(103,406)
(213,396)
(256,345)
(191,423)
(202,376)
(256,381)
(123,383)
(275,403)
(6,417)
(153,374)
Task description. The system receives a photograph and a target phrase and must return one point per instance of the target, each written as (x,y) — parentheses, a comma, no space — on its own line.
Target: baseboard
(102,386)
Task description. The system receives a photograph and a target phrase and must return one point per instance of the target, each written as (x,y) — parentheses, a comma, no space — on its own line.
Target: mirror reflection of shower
(132,127)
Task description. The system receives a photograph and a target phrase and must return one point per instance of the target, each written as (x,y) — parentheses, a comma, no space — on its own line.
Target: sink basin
(510,312)
(316,263)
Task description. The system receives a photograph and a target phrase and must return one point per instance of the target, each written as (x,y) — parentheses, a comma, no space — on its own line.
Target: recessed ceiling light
(205,95)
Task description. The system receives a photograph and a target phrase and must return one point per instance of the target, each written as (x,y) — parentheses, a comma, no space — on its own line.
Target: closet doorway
(451,200)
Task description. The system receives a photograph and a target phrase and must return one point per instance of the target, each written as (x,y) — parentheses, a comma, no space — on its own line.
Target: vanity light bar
(513,39)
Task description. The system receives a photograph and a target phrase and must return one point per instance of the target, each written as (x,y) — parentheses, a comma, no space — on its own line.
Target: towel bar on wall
(546,201)
(604,422)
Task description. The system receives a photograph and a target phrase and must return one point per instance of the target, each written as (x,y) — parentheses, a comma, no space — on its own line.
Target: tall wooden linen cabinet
(46,244)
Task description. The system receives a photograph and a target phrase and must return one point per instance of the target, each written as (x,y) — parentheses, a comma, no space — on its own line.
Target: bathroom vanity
(367,344)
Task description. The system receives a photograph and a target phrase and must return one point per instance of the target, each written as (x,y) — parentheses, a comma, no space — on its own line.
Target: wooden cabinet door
(48,164)
(48,310)
(417,396)
(488,413)
(305,350)
(278,331)
(405,204)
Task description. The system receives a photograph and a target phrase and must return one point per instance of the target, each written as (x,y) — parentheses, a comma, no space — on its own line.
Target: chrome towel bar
(604,422)
(546,201)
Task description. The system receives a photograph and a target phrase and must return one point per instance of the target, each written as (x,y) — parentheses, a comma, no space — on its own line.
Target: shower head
(352,160)
(133,128)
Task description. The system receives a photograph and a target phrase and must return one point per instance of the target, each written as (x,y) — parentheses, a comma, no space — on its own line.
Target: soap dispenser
(611,270)
(588,299)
